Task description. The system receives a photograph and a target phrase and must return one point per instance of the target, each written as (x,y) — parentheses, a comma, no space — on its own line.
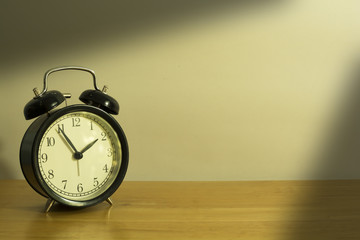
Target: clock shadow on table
(75,223)
(59,209)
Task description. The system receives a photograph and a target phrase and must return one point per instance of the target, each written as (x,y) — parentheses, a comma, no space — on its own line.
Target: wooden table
(285,210)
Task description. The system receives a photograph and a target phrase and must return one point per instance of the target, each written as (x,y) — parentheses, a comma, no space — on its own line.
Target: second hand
(78,167)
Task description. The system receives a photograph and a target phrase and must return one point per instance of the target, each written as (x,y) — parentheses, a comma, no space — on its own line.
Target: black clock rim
(124,158)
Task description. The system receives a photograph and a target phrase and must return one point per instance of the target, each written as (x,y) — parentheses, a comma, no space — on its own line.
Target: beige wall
(232,92)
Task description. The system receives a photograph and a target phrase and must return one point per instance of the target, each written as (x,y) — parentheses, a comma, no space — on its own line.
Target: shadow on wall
(5,172)
(323,216)
(38,27)
(340,155)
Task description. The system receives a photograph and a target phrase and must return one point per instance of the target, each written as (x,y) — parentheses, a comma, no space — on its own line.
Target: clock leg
(50,202)
(109,201)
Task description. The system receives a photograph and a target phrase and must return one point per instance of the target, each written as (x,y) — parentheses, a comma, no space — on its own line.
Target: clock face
(79,156)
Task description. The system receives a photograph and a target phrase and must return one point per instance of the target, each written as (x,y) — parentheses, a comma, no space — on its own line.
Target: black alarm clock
(76,155)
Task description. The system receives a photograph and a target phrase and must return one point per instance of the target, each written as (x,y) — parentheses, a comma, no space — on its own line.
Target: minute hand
(68,141)
(89,146)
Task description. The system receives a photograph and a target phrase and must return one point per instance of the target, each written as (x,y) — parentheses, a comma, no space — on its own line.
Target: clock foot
(109,201)
(50,202)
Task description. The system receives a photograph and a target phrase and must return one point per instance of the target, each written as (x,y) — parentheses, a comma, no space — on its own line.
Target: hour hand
(89,146)
(68,140)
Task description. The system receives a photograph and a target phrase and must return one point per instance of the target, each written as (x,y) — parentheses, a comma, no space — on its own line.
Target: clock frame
(99,105)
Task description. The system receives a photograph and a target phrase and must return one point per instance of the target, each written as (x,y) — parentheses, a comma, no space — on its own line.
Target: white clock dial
(79,156)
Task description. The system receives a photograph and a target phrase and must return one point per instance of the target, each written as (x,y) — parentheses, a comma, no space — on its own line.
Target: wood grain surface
(285,210)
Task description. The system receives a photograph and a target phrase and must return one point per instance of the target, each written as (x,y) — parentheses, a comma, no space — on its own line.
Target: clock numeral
(50,141)
(60,126)
(44,158)
(64,182)
(103,134)
(110,152)
(91,125)
(76,122)
(96,182)
(80,187)
(51,174)
(105,168)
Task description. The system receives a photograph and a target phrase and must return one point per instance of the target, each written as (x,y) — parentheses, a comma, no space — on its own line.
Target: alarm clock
(76,155)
